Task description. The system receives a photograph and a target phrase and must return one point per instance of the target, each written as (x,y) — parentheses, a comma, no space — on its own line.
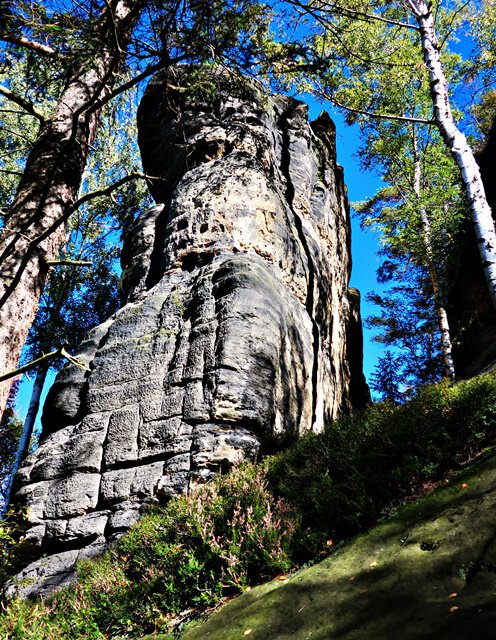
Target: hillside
(421,564)
(428,572)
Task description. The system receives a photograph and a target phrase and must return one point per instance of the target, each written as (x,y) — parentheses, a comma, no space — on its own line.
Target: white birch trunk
(442,316)
(50,184)
(456,142)
(27,431)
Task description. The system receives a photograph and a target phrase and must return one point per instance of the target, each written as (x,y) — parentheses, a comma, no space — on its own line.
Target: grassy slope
(397,580)
(259,520)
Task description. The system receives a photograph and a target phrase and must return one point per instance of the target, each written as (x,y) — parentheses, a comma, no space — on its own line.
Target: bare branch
(35,242)
(65,263)
(127,85)
(114,27)
(11,173)
(24,42)
(372,114)
(366,16)
(22,102)
(107,191)
(58,353)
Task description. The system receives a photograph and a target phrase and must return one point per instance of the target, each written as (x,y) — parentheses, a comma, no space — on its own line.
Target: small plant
(260,520)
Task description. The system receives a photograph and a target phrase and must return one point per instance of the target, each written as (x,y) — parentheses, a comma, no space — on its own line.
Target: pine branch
(24,42)
(22,102)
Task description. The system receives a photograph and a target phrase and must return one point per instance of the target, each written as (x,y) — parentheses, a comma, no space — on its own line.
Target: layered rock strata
(238,329)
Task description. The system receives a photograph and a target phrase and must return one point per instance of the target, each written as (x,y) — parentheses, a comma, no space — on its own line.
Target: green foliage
(406,321)
(191,553)
(10,432)
(387,378)
(260,520)
(344,479)
(13,553)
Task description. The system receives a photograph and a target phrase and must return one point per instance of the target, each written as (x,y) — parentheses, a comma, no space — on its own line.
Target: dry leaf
(247,632)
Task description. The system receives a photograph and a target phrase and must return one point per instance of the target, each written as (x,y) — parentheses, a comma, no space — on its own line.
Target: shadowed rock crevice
(237,331)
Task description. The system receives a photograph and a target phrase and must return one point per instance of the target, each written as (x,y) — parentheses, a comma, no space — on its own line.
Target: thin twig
(372,114)
(332,8)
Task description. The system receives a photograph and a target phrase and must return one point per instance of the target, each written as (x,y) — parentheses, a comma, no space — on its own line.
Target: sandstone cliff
(238,328)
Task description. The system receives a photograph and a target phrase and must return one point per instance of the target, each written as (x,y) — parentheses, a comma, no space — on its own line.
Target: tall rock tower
(238,326)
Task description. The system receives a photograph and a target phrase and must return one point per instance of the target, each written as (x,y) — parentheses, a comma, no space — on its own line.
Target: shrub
(260,519)
(343,479)
(188,554)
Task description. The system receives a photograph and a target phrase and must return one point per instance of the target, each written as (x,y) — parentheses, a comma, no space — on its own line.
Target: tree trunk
(457,143)
(442,316)
(27,430)
(34,229)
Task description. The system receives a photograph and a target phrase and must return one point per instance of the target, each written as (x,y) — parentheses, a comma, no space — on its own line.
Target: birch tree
(354,41)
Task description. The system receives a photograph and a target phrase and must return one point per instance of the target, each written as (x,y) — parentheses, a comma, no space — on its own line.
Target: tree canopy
(390,65)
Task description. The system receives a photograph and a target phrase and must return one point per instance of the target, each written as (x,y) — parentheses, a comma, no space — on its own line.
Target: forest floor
(429,571)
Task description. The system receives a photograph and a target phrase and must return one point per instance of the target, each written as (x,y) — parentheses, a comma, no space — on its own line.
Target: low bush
(344,479)
(260,520)
(187,555)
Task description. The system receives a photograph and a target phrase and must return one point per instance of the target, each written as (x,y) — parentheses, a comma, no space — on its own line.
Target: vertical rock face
(471,313)
(237,328)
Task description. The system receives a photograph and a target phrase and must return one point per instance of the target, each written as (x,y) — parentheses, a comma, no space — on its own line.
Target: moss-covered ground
(426,573)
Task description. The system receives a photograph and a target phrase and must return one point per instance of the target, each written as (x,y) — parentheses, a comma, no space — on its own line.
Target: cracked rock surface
(238,326)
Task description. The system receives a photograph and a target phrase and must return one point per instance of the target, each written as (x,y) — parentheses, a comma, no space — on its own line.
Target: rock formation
(238,327)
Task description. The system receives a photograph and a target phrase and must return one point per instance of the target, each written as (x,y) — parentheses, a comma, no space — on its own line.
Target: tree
(10,430)
(419,213)
(355,43)
(386,379)
(89,49)
(33,229)
(408,323)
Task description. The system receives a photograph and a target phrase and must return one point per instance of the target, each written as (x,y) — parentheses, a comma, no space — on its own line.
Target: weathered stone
(238,325)
(72,495)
